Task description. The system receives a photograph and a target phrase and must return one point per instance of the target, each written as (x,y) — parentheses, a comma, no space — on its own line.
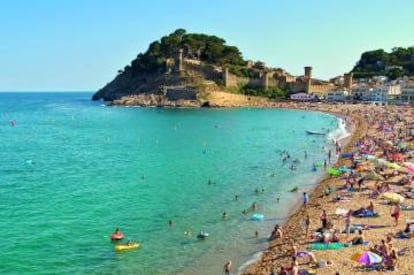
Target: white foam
(340,132)
(252,260)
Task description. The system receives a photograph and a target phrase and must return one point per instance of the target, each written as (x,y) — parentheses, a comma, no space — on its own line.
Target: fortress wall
(181,93)
(206,72)
(320,88)
(273,82)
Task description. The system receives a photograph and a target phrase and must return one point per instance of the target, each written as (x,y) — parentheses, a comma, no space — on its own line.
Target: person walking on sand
(348,220)
(305,199)
(227,268)
(396,213)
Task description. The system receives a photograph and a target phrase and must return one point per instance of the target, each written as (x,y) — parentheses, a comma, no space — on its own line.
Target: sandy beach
(386,127)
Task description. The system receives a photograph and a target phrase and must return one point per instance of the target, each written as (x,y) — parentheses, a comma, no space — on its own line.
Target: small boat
(124,247)
(310,132)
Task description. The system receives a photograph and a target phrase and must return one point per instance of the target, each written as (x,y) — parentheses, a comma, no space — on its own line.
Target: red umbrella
(397,157)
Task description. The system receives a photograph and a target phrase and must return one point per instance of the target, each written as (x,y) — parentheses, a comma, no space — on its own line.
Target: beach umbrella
(366,257)
(392,165)
(410,169)
(392,197)
(373,176)
(397,157)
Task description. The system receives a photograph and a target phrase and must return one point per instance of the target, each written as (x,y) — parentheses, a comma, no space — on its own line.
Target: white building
(407,94)
(336,95)
(362,92)
(385,93)
(303,96)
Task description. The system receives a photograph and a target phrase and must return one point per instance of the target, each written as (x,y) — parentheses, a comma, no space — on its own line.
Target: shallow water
(72,170)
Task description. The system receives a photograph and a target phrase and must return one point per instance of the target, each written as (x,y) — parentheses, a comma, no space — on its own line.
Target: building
(303,97)
(339,95)
(385,93)
(407,94)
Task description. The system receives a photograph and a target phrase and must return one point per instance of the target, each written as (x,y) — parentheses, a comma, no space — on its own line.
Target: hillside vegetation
(397,63)
(150,70)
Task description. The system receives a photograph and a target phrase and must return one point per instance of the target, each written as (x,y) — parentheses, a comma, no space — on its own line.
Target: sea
(72,170)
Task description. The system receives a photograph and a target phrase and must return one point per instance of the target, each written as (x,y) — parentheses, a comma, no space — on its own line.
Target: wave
(340,132)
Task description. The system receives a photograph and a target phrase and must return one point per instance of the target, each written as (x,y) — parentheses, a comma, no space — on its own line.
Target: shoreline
(263,263)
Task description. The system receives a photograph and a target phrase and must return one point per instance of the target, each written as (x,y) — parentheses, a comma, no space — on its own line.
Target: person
(396,213)
(383,249)
(302,253)
(276,233)
(335,237)
(224,215)
(294,266)
(390,261)
(227,268)
(170,223)
(348,220)
(305,199)
(370,207)
(324,218)
(117,235)
(360,239)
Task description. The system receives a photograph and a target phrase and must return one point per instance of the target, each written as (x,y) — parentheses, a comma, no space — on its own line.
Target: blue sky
(58,45)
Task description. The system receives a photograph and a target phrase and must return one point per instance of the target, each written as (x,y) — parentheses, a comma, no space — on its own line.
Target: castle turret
(308,78)
(226,77)
(179,61)
(348,81)
(265,80)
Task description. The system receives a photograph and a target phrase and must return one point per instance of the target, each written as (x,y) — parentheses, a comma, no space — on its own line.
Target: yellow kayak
(124,247)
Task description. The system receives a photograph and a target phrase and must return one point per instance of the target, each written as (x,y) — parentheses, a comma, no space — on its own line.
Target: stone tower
(308,78)
(179,61)
(226,77)
(265,80)
(348,81)
(308,72)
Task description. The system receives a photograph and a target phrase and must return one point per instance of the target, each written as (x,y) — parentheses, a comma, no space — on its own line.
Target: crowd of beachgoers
(360,217)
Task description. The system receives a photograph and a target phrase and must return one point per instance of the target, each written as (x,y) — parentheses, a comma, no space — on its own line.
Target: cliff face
(163,65)
(126,84)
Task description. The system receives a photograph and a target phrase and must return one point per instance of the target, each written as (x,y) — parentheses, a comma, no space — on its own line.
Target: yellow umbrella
(392,197)
(392,165)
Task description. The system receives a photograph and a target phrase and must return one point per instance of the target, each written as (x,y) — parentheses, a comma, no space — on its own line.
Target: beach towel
(364,213)
(324,246)
(351,244)
(367,226)
(407,208)
(367,215)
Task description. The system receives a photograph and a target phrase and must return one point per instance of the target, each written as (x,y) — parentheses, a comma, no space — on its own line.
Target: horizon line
(47,91)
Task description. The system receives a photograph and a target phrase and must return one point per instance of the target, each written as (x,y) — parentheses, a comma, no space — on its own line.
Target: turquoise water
(72,170)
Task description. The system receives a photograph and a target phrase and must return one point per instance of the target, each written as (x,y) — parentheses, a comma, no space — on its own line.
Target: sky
(79,45)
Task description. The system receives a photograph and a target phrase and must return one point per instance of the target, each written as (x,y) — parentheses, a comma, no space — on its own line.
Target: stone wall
(177,93)
(321,89)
